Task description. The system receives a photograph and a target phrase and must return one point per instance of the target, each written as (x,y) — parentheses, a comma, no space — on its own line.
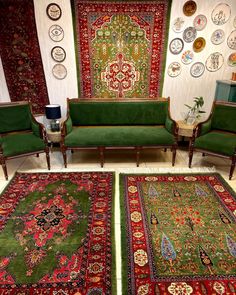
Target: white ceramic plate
(200,22)
(187,57)
(218,37)
(231,41)
(178,25)
(221,14)
(197,69)
(174,69)
(58,54)
(59,71)
(56,33)
(176,46)
(214,62)
(189,34)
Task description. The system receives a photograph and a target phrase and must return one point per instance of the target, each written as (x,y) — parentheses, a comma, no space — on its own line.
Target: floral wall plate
(56,33)
(232,59)
(218,37)
(197,69)
(200,22)
(199,44)
(189,8)
(174,69)
(59,71)
(189,34)
(58,54)
(231,41)
(221,14)
(178,25)
(214,62)
(176,46)
(187,57)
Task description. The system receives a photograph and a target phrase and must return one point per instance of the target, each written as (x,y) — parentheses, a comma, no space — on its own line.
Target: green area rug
(178,234)
(56,232)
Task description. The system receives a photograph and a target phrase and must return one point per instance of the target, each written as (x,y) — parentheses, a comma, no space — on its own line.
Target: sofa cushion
(218,142)
(91,136)
(224,118)
(84,113)
(21,143)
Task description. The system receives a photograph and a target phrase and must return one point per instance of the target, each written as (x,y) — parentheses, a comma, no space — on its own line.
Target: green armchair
(217,135)
(20,133)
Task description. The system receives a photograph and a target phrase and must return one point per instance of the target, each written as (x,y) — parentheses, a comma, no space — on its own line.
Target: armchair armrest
(66,127)
(38,129)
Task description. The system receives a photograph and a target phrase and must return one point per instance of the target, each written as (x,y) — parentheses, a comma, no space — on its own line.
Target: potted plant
(194,112)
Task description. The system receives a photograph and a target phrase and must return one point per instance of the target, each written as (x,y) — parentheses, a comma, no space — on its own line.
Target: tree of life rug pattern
(20,54)
(179,235)
(56,234)
(121,47)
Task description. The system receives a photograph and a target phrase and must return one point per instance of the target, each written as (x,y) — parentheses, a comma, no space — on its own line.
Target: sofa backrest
(224,117)
(118,112)
(14,117)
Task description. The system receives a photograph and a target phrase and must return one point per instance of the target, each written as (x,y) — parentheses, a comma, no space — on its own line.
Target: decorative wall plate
(221,14)
(214,62)
(189,34)
(197,69)
(199,44)
(178,25)
(217,37)
(174,69)
(231,41)
(234,23)
(200,22)
(56,33)
(232,59)
(59,71)
(58,54)
(53,11)
(187,57)
(176,46)
(189,8)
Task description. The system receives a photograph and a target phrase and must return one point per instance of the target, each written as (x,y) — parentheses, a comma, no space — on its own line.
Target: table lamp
(53,113)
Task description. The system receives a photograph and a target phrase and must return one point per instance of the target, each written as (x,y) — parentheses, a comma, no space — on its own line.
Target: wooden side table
(53,137)
(185,130)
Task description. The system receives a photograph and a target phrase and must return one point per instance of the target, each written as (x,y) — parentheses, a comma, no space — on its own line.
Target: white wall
(184,87)
(181,89)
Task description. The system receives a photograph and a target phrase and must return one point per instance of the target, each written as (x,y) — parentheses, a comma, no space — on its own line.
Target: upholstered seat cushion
(91,136)
(21,143)
(218,142)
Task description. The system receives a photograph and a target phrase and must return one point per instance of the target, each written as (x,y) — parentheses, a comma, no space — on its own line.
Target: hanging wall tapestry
(179,234)
(121,47)
(56,232)
(20,54)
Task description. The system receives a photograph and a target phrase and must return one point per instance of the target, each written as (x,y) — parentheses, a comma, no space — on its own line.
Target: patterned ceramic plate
(217,37)
(189,34)
(232,59)
(58,54)
(214,62)
(189,8)
(174,69)
(200,22)
(176,46)
(199,44)
(221,14)
(197,69)
(56,33)
(59,71)
(187,57)
(178,25)
(231,41)
(53,11)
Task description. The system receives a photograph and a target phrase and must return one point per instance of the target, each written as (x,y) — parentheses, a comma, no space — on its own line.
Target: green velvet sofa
(20,133)
(217,135)
(104,124)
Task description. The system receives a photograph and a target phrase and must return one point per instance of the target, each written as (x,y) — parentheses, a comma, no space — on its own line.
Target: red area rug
(121,47)
(20,54)
(179,235)
(56,232)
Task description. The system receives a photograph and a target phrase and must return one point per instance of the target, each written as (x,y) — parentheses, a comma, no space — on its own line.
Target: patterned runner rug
(179,234)
(20,53)
(56,232)
(121,47)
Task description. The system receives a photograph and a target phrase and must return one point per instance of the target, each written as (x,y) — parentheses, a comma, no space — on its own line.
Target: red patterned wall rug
(20,53)
(56,232)
(179,234)
(121,47)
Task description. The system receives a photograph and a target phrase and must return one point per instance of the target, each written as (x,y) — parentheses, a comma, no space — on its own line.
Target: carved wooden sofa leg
(63,151)
(101,153)
(48,157)
(137,155)
(4,167)
(173,155)
(232,166)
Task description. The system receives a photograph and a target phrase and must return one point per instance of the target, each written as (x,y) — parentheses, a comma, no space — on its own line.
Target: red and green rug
(121,47)
(179,234)
(56,232)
